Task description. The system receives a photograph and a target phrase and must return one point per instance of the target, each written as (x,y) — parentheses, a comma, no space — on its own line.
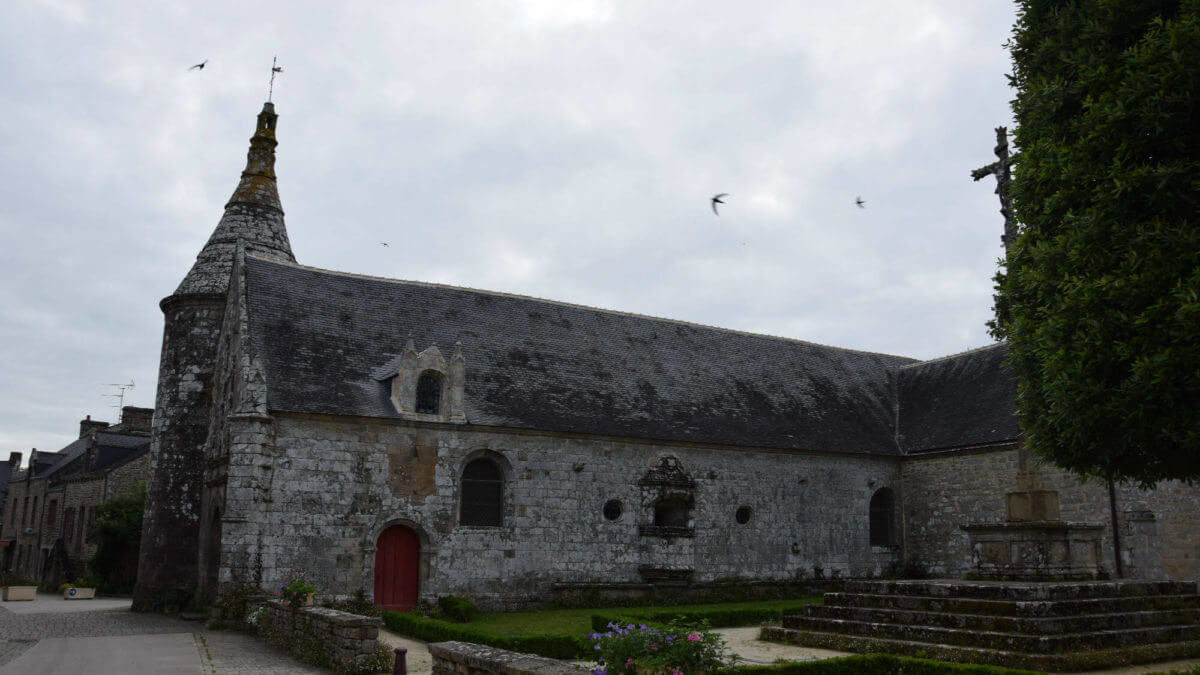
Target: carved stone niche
(668,495)
(450,376)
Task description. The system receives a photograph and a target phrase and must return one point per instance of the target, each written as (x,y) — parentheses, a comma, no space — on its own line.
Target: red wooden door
(397,555)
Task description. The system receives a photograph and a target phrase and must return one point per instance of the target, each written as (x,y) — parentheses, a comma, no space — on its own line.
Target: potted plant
(296,591)
(84,588)
(19,588)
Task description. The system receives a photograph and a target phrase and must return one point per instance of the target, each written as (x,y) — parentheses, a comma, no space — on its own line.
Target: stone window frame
(451,375)
(430,379)
(881,519)
(506,477)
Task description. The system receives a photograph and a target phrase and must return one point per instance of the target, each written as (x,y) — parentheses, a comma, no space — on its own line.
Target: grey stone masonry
(465,658)
(253,216)
(253,220)
(346,639)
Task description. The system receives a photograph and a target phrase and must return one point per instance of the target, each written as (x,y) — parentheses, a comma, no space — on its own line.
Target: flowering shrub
(673,650)
(295,590)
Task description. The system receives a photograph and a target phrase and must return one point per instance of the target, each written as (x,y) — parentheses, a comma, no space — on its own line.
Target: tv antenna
(120,396)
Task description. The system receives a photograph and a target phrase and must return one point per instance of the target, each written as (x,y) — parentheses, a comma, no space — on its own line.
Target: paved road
(51,635)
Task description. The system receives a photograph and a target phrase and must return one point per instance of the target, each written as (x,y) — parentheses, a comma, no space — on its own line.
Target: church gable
(327,338)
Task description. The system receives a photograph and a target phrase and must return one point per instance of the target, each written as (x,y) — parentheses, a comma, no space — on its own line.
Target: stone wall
(941,492)
(122,478)
(314,493)
(170,534)
(24,497)
(347,640)
(465,658)
(81,496)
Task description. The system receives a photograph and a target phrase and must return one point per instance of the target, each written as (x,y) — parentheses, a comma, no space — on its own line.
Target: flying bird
(860,202)
(276,69)
(717,200)
(199,66)
(384,243)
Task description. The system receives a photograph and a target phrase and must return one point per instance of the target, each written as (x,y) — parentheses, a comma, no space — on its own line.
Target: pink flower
(677,672)
(653,645)
(693,637)
(629,662)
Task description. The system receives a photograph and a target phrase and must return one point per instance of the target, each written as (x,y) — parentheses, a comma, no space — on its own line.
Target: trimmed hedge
(457,609)
(433,630)
(874,664)
(716,618)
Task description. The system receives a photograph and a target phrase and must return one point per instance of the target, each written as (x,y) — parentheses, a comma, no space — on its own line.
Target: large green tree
(118,536)
(1100,298)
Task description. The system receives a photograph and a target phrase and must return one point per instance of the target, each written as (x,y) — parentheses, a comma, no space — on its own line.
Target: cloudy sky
(564,149)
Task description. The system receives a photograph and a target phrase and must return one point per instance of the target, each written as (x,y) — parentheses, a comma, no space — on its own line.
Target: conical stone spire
(253,216)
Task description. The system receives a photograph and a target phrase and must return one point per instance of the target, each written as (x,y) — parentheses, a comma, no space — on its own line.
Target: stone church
(413,440)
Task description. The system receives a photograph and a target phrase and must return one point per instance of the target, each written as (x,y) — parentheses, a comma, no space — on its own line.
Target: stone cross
(1001,169)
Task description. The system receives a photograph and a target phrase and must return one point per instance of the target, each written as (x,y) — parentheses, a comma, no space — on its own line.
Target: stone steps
(1045,625)
(1051,625)
(991,639)
(1060,662)
(1000,590)
(1031,608)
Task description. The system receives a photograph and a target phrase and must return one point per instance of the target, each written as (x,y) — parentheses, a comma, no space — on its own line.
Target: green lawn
(578,621)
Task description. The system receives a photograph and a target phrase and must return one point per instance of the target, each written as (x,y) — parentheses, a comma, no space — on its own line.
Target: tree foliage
(118,535)
(1100,301)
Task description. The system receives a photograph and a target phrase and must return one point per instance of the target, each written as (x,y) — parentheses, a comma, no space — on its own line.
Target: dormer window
(429,394)
(427,387)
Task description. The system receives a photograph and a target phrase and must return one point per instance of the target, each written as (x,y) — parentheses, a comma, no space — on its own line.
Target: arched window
(883,512)
(672,512)
(429,394)
(482,494)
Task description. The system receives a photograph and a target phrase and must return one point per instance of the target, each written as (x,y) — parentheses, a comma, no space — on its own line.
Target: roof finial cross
(1001,169)
(274,69)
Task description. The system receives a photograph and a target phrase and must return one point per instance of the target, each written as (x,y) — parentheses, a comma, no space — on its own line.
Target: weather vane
(274,69)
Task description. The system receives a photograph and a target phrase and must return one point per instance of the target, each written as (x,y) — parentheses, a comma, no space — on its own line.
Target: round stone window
(743,515)
(612,509)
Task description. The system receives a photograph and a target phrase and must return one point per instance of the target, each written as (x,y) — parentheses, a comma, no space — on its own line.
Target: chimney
(136,419)
(14,460)
(87,425)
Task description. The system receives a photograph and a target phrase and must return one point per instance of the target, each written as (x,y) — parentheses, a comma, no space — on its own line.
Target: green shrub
(457,609)
(873,664)
(432,630)
(118,532)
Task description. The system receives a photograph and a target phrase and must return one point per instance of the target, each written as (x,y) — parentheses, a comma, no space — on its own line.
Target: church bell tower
(193,314)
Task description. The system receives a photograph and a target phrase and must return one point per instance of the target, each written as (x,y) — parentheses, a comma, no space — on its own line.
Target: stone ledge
(334,616)
(467,657)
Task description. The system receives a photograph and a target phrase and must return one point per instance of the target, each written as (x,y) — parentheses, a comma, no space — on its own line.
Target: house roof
(957,401)
(328,342)
(545,365)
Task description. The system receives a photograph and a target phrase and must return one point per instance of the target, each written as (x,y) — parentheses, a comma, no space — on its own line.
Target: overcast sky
(557,148)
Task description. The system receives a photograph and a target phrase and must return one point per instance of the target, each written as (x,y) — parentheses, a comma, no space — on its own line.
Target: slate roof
(538,364)
(329,341)
(958,401)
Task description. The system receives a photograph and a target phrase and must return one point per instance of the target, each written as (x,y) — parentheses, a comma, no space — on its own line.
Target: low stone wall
(465,658)
(347,640)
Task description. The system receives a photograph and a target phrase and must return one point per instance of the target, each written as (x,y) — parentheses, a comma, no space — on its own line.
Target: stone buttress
(168,568)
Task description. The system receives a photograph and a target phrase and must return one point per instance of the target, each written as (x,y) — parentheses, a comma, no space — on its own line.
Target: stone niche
(1033,544)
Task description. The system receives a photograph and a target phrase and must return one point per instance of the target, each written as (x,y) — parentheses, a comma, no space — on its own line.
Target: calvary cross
(1001,169)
